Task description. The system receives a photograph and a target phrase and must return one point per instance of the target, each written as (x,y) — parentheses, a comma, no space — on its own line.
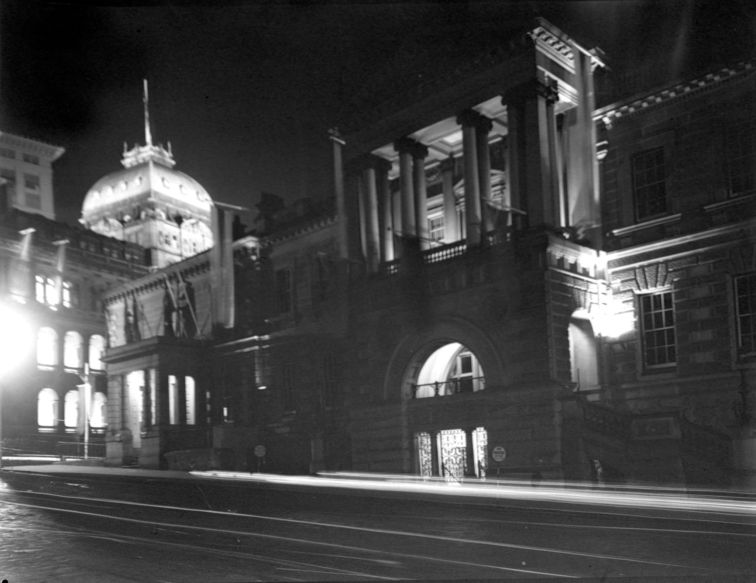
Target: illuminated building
(26,169)
(514,282)
(150,203)
(51,278)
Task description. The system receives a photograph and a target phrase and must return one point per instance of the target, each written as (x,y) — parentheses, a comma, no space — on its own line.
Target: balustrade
(450,387)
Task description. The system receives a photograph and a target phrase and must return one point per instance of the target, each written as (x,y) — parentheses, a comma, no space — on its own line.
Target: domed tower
(150,203)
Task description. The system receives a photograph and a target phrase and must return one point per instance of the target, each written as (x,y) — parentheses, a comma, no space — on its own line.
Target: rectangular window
(283,291)
(70,295)
(741,161)
(9,176)
(8,153)
(436,229)
(31,159)
(191,399)
(649,184)
(745,305)
(31,182)
(658,329)
(173,400)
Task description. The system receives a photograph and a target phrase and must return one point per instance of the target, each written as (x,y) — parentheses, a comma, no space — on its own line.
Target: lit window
(97,416)
(466,373)
(9,175)
(71,411)
(72,353)
(436,228)
(70,295)
(741,161)
(649,184)
(47,347)
(658,329)
(283,290)
(96,348)
(745,305)
(47,410)
(45,290)
(173,400)
(191,416)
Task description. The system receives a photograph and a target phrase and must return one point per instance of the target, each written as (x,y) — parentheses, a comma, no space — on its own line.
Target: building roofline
(48,150)
(643,101)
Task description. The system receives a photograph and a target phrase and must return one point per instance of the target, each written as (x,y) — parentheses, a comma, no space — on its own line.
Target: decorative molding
(735,200)
(646,225)
(652,277)
(612,113)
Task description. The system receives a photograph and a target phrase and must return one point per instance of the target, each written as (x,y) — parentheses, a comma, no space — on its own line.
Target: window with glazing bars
(658,329)
(745,305)
(741,161)
(649,183)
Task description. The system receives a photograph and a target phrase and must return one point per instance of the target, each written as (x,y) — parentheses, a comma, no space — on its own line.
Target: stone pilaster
(404,147)
(451,222)
(468,120)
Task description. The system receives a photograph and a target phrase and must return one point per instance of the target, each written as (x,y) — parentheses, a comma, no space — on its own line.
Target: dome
(147,180)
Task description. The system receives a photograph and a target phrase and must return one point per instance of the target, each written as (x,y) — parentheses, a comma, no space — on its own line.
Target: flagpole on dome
(146,100)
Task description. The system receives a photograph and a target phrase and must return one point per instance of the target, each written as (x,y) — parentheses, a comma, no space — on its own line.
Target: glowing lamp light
(614,321)
(16,337)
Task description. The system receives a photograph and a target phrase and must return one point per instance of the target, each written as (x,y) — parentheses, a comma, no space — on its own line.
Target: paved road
(64,534)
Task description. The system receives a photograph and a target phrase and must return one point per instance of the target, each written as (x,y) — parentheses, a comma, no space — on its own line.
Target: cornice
(611,113)
(639,253)
(299,230)
(46,150)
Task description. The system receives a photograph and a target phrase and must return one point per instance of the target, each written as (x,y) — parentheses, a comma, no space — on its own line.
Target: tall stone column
(147,419)
(435,465)
(468,119)
(406,187)
(482,129)
(532,136)
(338,188)
(451,223)
(419,153)
(370,215)
(386,210)
(470,469)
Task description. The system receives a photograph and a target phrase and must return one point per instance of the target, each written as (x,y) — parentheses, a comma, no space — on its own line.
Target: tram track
(229,533)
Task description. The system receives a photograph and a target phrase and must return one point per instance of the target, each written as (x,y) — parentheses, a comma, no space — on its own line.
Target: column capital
(409,146)
(447,164)
(531,89)
(335,136)
(472,118)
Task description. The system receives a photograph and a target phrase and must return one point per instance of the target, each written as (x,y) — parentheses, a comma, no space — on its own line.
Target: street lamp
(15,339)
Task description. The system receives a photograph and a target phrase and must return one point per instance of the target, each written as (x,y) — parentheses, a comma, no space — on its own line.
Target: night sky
(246,91)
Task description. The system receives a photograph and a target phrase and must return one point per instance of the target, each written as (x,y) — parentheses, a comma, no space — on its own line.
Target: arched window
(96,348)
(47,347)
(450,369)
(71,411)
(47,410)
(97,416)
(191,399)
(72,350)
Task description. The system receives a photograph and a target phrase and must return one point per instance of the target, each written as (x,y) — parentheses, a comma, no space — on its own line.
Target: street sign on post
(499,454)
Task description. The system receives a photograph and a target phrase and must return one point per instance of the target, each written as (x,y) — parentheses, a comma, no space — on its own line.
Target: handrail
(457,385)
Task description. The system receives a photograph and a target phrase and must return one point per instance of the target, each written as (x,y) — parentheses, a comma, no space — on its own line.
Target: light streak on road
(669,500)
(369,530)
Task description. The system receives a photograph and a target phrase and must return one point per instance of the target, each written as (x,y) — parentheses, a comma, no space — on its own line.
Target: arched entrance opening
(450,369)
(583,352)
(448,451)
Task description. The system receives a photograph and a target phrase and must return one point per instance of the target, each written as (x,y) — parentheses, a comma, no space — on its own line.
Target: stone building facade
(513,281)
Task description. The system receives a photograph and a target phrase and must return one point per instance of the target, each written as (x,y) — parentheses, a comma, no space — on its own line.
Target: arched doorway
(450,452)
(583,352)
